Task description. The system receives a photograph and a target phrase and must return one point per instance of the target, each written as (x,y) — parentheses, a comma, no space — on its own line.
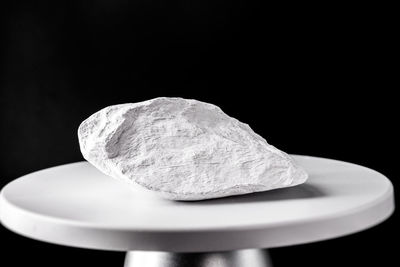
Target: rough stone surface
(184,150)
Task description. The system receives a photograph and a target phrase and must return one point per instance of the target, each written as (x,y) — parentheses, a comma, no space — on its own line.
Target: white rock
(184,150)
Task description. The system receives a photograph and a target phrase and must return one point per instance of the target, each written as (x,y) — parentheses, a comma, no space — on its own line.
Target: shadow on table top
(302,191)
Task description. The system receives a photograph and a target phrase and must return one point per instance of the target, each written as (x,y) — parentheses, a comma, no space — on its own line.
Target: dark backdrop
(312,80)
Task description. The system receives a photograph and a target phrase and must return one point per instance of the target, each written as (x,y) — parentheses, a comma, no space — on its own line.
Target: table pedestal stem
(237,258)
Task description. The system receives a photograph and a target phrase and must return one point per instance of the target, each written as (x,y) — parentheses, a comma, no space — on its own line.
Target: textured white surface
(184,150)
(77,205)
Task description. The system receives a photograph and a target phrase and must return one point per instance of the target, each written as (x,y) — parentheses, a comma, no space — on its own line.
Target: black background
(312,80)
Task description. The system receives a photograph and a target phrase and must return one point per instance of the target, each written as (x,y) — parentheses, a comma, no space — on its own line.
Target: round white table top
(77,205)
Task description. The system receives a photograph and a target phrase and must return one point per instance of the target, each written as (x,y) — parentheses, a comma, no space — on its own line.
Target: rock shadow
(303,191)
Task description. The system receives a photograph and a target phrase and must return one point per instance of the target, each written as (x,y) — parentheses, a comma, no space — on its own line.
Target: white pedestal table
(76,205)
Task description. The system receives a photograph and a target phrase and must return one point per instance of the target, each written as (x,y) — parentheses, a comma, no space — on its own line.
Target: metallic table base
(237,258)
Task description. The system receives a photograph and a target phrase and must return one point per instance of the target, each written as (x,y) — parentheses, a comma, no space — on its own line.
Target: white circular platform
(77,205)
